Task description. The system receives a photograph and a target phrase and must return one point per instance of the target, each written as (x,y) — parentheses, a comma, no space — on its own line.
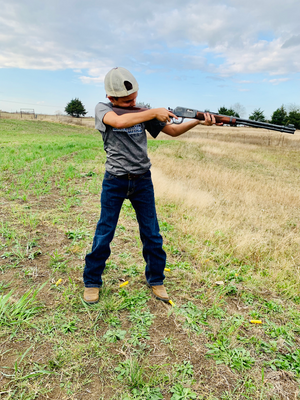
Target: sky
(193,53)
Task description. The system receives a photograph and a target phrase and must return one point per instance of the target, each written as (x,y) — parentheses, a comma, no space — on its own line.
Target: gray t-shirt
(126,148)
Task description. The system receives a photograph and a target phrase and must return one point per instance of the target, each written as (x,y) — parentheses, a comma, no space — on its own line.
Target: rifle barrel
(265,125)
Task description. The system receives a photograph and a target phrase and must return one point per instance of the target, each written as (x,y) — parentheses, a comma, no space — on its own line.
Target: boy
(127,176)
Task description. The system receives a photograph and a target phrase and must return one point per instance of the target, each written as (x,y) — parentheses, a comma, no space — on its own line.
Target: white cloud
(89,79)
(95,36)
(262,56)
(278,80)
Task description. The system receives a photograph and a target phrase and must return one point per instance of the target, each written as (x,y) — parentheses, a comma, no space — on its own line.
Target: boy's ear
(110,98)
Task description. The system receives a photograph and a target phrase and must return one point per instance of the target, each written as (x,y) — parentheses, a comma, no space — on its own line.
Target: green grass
(129,345)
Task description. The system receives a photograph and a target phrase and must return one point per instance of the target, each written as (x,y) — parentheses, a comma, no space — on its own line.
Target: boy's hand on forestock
(164,115)
(209,120)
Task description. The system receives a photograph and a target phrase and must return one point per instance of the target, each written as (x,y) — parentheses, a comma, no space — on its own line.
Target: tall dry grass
(242,198)
(61,119)
(262,137)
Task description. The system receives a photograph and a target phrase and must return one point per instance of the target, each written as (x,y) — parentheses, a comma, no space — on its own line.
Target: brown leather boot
(91,295)
(160,293)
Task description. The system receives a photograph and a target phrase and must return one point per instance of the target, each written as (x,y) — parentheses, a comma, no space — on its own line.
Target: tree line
(279,117)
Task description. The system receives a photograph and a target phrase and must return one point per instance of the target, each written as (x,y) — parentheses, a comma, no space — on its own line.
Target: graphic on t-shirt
(133,131)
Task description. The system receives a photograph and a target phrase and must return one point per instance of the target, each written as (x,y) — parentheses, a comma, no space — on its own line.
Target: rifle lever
(176,121)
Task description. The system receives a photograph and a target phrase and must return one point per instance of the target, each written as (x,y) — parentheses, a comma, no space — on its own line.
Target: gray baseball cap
(119,82)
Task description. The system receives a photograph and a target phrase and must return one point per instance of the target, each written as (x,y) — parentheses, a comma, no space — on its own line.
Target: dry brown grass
(61,119)
(244,197)
(246,135)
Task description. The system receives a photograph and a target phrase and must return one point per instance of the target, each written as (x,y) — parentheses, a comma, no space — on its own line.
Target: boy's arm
(130,119)
(177,130)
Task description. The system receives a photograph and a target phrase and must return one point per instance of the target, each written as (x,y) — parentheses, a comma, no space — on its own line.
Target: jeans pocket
(108,176)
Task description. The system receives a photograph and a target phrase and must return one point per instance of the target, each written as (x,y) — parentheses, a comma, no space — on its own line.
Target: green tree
(257,115)
(141,104)
(294,118)
(75,108)
(228,111)
(279,116)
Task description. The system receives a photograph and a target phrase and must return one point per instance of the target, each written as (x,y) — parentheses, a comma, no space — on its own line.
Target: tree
(75,108)
(294,118)
(239,109)
(141,104)
(279,116)
(228,111)
(257,115)
(292,107)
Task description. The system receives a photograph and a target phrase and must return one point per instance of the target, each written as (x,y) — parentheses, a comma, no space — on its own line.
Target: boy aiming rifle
(128,176)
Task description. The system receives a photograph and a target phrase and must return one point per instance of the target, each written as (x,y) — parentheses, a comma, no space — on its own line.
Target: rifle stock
(183,113)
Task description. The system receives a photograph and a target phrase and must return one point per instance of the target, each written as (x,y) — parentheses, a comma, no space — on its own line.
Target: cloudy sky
(199,54)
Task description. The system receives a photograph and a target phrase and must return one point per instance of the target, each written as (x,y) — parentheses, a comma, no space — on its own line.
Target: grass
(229,215)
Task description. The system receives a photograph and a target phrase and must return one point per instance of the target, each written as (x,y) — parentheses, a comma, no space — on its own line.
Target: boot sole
(91,302)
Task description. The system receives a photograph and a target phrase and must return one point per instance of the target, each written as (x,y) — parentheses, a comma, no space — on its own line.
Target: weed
(288,362)
(133,300)
(194,317)
(141,320)
(184,370)
(132,270)
(17,312)
(113,321)
(186,266)
(216,312)
(131,373)
(69,327)
(113,335)
(120,228)
(164,226)
(272,306)
(229,290)
(141,317)
(110,265)
(234,276)
(77,235)
(128,210)
(269,347)
(237,358)
(167,340)
(3,286)
(58,262)
(182,393)
(6,231)
(90,173)
(146,393)
(284,331)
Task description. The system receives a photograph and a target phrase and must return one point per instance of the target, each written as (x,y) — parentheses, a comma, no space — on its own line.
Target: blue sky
(195,53)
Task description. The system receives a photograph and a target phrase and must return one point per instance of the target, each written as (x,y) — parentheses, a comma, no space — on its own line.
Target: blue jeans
(140,192)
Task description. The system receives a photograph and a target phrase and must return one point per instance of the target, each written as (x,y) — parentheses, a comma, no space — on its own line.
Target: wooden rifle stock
(121,110)
(225,119)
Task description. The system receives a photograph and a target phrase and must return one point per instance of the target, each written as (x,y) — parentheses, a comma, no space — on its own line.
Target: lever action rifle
(183,113)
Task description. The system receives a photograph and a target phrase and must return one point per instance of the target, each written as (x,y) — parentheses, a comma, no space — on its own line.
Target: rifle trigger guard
(177,122)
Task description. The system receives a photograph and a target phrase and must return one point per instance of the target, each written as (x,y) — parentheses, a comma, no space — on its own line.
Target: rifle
(183,113)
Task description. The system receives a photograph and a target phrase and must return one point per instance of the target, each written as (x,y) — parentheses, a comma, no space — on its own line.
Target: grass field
(229,213)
